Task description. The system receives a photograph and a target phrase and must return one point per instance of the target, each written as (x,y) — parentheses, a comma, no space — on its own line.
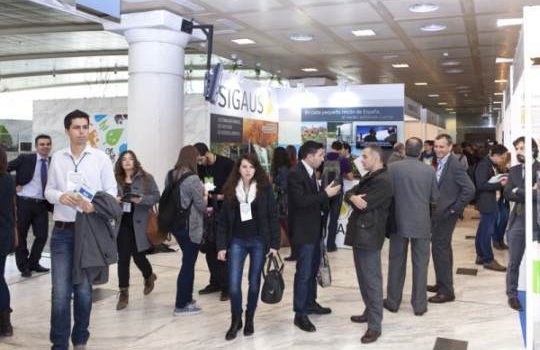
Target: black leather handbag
(274,285)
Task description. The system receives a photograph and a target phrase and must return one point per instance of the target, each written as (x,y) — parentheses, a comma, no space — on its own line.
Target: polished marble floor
(479,316)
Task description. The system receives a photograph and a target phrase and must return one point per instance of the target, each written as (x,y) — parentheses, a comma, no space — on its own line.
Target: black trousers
(31,213)
(219,275)
(127,248)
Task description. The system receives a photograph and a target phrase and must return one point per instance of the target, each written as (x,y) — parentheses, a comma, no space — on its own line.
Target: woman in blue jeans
(248,224)
(193,196)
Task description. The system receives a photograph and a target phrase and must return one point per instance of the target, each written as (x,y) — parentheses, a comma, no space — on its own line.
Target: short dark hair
(413,147)
(42,136)
(201,147)
(337,145)
(76,114)
(376,149)
(534,145)
(429,142)
(498,150)
(310,147)
(347,146)
(445,136)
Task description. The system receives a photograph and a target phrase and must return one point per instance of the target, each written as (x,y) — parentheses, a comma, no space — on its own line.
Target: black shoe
(514,303)
(318,310)
(26,273)
(370,336)
(433,289)
(304,323)
(479,261)
(249,328)
(359,318)
(39,268)
(6,329)
(236,325)
(331,250)
(441,298)
(420,313)
(386,305)
(209,289)
(290,258)
(224,296)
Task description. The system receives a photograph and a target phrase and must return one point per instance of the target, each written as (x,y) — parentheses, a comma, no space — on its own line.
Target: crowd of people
(230,210)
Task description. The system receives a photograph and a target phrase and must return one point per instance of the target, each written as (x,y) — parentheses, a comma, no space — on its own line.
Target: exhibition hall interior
(269,174)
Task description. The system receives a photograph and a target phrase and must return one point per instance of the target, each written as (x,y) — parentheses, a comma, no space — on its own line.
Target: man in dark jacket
(486,203)
(515,192)
(306,209)
(370,200)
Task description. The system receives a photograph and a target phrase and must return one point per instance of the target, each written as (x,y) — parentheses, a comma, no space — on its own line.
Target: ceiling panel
(381,30)
(241,5)
(271,20)
(440,41)
(453,26)
(400,9)
(447,53)
(378,45)
(335,15)
(503,6)
(283,35)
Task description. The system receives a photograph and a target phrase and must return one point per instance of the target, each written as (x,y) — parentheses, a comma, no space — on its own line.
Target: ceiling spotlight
(505,22)
(243,41)
(455,71)
(433,95)
(442,103)
(400,65)
(433,27)
(309,69)
(445,54)
(498,93)
(301,37)
(423,7)
(363,32)
(451,63)
(500,81)
(420,84)
(498,102)
(504,60)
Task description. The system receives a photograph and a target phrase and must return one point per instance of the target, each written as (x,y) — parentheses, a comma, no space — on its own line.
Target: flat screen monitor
(384,136)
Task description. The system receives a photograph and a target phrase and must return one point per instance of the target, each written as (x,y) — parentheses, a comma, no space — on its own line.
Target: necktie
(43,174)
(439,171)
(314,180)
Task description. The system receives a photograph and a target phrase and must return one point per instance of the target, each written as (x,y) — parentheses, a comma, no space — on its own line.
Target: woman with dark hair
(8,241)
(247,224)
(194,198)
(293,155)
(137,193)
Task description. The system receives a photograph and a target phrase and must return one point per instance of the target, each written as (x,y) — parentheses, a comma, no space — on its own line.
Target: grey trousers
(441,250)
(516,247)
(397,269)
(369,275)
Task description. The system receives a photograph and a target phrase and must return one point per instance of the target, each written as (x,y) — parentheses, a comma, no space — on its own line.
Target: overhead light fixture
(455,71)
(389,57)
(446,54)
(496,109)
(442,103)
(451,63)
(433,95)
(423,7)
(449,109)
(498,93)
(505,22)
(310,69)
(434,27)
(500,81)
(504,60)
(462,87)
(400,65)
(301,37)
(363,32)
(498,102)
(243,41)
(420,84)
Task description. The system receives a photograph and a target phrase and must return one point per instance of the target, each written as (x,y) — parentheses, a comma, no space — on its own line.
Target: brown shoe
(224,296)
(370,336)
(433,289)
(359,318)
(495,266)
(149,284)
(441,298)
(514,303)
(123,299)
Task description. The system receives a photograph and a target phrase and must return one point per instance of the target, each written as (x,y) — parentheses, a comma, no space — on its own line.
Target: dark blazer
(305,206)
(7,214)
(486,201)
(267,220)
(366,228)
(24,166)
(456,189)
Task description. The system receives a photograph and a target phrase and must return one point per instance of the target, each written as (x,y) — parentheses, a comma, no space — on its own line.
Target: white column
(155,87)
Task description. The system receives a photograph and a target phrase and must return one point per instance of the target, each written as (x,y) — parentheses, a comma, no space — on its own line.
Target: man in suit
(486,203)
(514,191)
(366,230)
(32,207)
(455,191)
(415,192)
(306,209)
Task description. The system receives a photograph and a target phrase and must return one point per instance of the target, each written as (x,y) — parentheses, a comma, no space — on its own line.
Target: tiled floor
(479,316)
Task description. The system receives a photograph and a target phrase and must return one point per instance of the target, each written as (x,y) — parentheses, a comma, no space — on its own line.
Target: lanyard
(247,193)
(76,165)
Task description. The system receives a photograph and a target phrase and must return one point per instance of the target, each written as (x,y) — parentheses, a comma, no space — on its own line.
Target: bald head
(413,147)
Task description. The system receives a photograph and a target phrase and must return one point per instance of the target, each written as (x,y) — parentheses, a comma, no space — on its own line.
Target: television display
(380,135)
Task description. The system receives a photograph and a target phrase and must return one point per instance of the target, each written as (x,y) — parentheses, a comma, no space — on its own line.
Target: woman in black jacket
(248,224)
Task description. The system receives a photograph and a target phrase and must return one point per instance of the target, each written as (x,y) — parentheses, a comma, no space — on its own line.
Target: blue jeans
(308,258)
(4,291)
(184,283)
(62,289)
(486,227)
(238,251)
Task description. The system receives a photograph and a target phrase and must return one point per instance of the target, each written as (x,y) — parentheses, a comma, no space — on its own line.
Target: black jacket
(305,206)
(486,201)
(366,228)
(7,215)
(24,166)
(267,220)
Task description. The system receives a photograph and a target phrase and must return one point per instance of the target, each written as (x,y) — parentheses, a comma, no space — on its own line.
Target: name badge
(245,212)
(126,207)
(74,180)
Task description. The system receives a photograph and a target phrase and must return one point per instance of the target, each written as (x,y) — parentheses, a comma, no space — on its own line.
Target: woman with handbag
(137,194)
(8,241)
(247,224)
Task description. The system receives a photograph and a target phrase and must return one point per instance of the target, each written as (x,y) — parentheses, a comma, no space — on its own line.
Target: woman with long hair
(8,241)
(293,155)
(137,193)
(247,225)
(194,199)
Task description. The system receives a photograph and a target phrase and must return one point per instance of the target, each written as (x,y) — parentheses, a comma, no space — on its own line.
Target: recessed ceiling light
(420,84)
(500,81)
(433,95)
(455,71)
(243,41)
(309,69)
(434,27)
(504,60)
(302,37)
(423,7)
(498,102)
(449,109)
(505,22)
(400,65)
(451,63)
(446,54)
(498,93)
(442,103)
(363,32)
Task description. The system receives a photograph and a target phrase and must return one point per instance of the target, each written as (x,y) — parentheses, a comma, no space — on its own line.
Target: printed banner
(109,134)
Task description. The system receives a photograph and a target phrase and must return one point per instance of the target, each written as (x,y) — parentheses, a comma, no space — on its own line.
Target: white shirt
(308,168)
(34,189)
(97,171)
(440,166)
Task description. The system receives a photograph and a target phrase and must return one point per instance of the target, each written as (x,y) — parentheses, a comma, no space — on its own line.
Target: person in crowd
(398,153)
(486,203)
(72,168)
(366,230)
(503,210)
(293,155)
(214,169)
(281,166)
(306,209)
(347,154)
(459,153)
(193,197)
(8,241)
(514,191)
(468,153)
(247,225)
(415,192)
(335,168)
(371,137)
(32,207)
(428,156)
(137,193)
(456,190)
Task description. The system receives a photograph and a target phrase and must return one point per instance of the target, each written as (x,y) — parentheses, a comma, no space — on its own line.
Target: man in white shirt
(75,168)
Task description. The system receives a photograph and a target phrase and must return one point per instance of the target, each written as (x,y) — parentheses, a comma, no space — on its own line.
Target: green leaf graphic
(113,136)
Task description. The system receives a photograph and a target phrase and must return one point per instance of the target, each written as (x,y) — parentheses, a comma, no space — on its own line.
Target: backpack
(331,171)
(171,215)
